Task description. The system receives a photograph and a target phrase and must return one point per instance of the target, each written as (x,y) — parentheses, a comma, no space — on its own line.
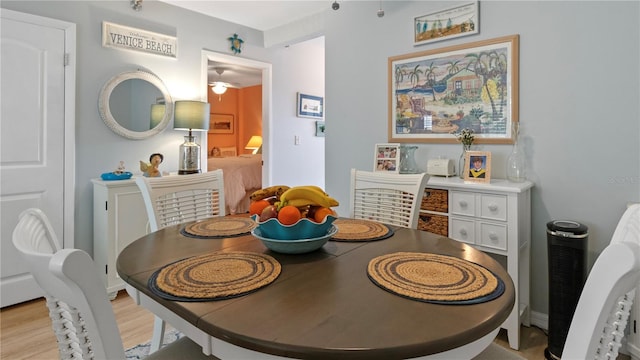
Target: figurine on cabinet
(151,169)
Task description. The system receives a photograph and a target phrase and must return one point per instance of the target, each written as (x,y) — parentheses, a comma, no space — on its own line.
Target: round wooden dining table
(323,305)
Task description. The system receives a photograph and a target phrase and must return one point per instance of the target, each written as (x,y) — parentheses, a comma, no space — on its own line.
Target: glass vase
(516,162)
(408,160)
(461,161)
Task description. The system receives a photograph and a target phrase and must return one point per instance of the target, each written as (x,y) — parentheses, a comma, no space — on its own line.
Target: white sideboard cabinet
(495,218)
(119,218)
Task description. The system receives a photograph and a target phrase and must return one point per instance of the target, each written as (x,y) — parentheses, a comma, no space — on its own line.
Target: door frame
(69,29)
(208,55)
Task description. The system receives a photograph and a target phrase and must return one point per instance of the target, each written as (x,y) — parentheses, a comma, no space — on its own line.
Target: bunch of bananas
(308,195)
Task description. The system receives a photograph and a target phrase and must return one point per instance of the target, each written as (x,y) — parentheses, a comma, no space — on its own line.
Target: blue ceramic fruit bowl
(300,246)
(303,229)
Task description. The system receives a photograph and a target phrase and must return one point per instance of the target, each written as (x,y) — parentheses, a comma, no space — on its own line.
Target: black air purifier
(567,252)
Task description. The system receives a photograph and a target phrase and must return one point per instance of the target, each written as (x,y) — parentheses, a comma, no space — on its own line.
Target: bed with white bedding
(242,176)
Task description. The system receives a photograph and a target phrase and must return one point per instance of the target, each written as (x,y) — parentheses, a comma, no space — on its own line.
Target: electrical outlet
(296,139)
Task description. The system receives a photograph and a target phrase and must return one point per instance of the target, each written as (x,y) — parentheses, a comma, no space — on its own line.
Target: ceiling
(261,15)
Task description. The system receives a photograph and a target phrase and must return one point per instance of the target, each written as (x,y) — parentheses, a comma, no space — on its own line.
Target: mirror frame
(110,121)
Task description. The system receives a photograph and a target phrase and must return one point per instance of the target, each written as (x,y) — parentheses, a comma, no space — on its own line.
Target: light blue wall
(579,105)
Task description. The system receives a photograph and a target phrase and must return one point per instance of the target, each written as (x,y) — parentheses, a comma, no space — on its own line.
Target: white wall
(301,164)
(579,112)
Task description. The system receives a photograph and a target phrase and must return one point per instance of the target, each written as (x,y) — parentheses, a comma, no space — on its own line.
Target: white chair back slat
(177,199)
(389,198)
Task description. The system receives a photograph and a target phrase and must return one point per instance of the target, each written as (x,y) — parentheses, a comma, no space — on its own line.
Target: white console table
(495,218)
(119,218)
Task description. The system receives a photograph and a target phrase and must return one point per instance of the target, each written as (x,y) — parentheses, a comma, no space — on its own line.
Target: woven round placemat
(219,227)
(360,230)
(434,278)
(215,276)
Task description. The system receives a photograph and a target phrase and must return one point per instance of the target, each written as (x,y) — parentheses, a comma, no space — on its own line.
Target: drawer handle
(463,232)
(463,204)
(493,236)
(493,207)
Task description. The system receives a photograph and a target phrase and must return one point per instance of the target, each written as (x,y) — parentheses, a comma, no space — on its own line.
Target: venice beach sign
(124,37)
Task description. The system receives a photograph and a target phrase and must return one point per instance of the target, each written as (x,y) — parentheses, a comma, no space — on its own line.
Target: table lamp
(190,115)
(254,143)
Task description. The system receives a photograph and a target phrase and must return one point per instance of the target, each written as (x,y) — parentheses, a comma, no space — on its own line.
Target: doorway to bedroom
(240,112)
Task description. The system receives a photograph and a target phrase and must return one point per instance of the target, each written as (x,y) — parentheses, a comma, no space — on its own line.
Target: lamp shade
(254,143)
(191,115)
(157,114)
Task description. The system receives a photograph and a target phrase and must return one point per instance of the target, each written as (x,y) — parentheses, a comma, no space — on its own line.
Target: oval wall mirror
(135,104)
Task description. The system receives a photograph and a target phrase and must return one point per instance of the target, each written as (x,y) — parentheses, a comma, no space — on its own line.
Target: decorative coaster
(360,230)
(215,276)
(219,227)
(434,278)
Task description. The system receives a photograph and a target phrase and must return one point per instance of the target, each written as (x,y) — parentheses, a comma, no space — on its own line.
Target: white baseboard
(540,320)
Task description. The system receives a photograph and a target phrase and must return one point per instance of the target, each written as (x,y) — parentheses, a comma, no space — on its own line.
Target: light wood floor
(25,331)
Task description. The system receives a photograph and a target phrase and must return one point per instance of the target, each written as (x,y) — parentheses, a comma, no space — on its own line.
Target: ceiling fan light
(219,88)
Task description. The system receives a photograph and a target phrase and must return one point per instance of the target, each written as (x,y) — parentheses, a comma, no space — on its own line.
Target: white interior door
(34,171)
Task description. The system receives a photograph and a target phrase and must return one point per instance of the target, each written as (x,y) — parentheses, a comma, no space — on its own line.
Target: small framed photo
(387,157)
(320,128)
(310,106)
(478,167)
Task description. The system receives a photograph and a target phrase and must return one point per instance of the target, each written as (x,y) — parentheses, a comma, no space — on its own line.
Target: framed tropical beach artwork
(434,93)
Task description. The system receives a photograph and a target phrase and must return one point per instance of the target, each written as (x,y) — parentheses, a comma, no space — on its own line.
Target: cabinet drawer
(463,203)
(493,207)
(493,236)
(462,230)
(437,224)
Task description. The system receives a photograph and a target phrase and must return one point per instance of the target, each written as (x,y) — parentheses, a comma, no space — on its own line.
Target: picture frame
(480,160)
(310,106)
(449,23)
(387,157)
(435,93)
(320,127)
(221,123)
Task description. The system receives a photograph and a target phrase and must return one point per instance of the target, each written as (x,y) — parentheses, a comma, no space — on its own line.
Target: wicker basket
(435,200)
(437,224)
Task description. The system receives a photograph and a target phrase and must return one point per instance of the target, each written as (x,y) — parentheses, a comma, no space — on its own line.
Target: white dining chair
(387,197)
(598,323)
(172,200)
(80,311)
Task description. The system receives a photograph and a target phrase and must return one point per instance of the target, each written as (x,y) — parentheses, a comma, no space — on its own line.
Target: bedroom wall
(246,107)
(250,115)
(579,113)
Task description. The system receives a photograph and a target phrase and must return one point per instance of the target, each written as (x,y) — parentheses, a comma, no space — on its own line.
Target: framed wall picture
(387,158)
(479,167)
(221,124)
(437,92)
(446,24)
(310,106)
(320,128)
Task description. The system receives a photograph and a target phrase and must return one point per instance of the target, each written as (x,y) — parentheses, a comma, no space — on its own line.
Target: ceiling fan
(220,87)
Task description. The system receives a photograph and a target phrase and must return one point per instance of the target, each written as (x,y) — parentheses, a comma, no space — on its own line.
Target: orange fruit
(256,207)
(322,213)
(289,215)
